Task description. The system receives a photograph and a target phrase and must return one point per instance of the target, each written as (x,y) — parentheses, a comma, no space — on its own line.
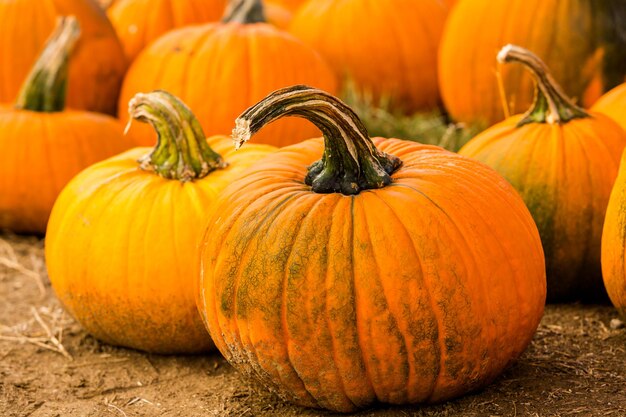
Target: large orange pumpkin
(122,239)
(563,161)
(98,64)
(220,69)
(613,104)
(583,42)
(389,271)
(44,146)
(388,49)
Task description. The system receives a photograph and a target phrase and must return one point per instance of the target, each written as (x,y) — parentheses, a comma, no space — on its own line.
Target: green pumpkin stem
(182,152)
(245,12)
(551,104)
(45,87)
(351,162)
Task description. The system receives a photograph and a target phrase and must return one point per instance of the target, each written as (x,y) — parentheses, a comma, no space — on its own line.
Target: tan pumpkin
(97,67)
(43,144)
(220,69)
(582,41)
(122,239)
(387,49)
(388,271)
(563,161)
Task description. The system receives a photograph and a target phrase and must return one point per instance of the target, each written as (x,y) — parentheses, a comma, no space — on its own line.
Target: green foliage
(429,128)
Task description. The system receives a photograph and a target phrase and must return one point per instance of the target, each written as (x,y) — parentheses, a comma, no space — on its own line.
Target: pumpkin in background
(563,161)
(390,271)
(122,239)
(582,41)
(613,104)
(388,49)
(43,145)
(97,67)
(220,69)
(291,5)
(139,22)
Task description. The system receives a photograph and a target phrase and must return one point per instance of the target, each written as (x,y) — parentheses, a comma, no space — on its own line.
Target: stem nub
(245,12)
(551,104)
(351,162)
(45,87)
(182,152)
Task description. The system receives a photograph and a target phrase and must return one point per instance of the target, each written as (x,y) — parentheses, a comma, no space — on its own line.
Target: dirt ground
(575,366)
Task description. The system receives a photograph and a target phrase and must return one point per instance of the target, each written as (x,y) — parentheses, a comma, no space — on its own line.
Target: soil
(576,365)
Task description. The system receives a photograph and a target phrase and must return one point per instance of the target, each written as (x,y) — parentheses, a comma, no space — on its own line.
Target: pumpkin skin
(129,279)
(43,145)
(387,49)
(339,301)
(614,243)
(238,64)
(613,104)
(564,172)
(581,41)
(97,67)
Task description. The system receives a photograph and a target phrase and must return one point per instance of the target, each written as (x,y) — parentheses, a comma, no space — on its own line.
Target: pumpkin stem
(45,87)
(182,152)
(245,12)
(351,162)
(551,104)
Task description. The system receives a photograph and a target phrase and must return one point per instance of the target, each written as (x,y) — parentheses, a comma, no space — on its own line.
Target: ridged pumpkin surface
(388,48)
(139,22)
(97,67)
(613,104)
(417,292)
(221,69)
(565,174)
(614,243)
(582,41)
(41,153)
(121,249)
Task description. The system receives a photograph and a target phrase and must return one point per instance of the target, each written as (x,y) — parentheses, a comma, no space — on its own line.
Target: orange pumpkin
(563,161)
(581,40)
(614,243)
(613,104)
(389,271)
(43,145)
(139,22)
(236,63)
(121,243)
(291,5)
(98,64)
(387,48)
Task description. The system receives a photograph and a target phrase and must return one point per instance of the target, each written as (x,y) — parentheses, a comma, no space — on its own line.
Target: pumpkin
(563,161)
(384,49)
(43,145)
(613,104)
(614,243)
(139,22)
(582,41)
(220,69)
(98,64)
(121,243)
(389,271)
(291,5)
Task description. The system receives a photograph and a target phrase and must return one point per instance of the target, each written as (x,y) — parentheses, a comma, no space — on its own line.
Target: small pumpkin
(97,67)
(582,41)
(613,104)
(386,49)
(236,63)
(563,161)
(388,271)
(121,243)
(43,145)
